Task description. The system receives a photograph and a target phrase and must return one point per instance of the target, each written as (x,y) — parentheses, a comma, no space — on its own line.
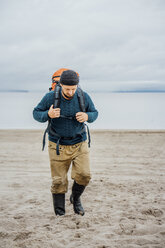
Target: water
(116,110)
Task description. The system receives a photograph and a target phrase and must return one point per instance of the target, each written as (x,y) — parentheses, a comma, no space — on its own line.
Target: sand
(124,202)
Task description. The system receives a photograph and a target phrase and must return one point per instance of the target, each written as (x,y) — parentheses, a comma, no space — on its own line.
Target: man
(73,147)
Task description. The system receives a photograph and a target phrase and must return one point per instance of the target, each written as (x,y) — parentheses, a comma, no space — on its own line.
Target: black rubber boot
(77,190)
(59,203)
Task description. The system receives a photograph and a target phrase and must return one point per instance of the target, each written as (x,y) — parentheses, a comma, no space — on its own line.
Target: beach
(124,202)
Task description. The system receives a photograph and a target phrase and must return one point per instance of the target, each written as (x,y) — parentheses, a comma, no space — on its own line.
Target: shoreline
(96,130)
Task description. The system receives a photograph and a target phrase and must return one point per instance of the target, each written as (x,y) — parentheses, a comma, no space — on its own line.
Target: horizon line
(91,91)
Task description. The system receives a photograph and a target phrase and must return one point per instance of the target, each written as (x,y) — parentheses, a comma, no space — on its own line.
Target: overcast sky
(115,44)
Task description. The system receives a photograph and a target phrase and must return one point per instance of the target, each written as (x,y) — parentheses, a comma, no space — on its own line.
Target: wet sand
(124,202)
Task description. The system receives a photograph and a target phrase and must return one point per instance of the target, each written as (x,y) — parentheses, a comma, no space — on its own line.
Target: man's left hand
(81,117)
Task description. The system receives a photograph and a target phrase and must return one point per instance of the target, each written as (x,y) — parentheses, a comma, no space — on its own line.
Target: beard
(68,97)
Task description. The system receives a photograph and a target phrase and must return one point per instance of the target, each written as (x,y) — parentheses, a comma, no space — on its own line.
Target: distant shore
(15,91)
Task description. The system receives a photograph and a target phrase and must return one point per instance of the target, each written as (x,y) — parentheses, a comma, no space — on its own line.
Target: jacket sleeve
(90,109)
(40,112)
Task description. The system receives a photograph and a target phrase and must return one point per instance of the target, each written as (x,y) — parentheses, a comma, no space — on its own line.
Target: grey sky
(116,43)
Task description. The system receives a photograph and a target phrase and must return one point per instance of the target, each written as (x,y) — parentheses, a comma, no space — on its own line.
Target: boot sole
(80,213)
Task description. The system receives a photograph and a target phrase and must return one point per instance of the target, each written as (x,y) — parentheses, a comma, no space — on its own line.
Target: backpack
(81,99)
(56,77)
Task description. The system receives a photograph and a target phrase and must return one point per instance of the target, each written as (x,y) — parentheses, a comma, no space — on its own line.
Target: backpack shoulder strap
(57,96)
(81,99)
(55,105)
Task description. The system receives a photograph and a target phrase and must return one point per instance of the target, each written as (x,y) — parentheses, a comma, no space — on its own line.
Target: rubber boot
(59,203)
(77,190)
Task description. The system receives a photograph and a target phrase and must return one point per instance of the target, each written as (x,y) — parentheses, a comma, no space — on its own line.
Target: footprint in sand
(3,235)
(17,217)
(22,235)
(78,235)
(153,211)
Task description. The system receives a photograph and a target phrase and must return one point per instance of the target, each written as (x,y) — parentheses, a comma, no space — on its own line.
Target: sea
(117,111)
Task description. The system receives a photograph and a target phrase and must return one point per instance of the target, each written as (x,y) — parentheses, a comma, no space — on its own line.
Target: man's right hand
(54,113)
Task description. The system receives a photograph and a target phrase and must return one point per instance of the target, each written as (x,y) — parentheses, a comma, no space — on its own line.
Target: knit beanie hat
(69,77)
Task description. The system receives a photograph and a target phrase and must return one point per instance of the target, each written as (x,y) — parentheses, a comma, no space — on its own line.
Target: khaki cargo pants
(78,155)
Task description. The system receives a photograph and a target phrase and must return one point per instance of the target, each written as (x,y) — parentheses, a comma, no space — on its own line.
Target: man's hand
(81,116)
(54,113)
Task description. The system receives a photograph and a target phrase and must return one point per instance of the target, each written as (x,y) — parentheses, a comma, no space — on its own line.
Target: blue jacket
(65,127)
